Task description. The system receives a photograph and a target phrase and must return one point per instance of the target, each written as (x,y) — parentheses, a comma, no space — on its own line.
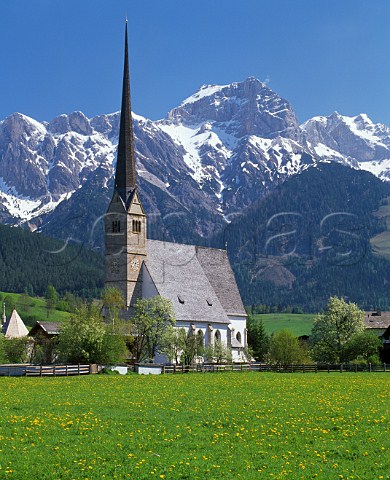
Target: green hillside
(298,324)
(30,309)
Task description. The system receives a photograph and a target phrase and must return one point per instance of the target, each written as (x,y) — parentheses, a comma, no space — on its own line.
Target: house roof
(182,273)
(49,328)
(15,328)
(375,320)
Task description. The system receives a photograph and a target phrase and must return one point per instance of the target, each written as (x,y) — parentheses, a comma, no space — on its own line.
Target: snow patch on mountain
(204,91)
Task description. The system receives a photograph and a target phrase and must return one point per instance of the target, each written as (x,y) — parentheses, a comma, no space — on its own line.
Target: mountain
(310,238)
(220,151)
(354,141)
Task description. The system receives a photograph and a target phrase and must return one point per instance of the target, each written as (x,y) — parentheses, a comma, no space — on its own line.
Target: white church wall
(148,287)
(238,323)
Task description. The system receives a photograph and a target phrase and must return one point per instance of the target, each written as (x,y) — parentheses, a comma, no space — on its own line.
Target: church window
(217,336)
(180,298)
(116,226)
(136,226)
(238,337)
(200,338)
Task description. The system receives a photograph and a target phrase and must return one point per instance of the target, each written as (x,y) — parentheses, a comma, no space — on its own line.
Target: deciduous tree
(285,349)
(150,322)
(334,328)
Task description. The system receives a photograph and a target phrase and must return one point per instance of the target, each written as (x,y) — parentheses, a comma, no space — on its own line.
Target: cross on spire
(125,175)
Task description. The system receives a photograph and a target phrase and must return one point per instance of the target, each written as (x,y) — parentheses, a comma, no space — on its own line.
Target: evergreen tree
(258,339)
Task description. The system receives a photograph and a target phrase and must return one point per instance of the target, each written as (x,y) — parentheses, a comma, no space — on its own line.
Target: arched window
(238,337)
(217,336)
(200,339)
(136,226)
(116,226)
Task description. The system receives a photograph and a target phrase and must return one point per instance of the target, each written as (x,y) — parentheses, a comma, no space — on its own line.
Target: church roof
(216,266)
(15,328)
(182,274)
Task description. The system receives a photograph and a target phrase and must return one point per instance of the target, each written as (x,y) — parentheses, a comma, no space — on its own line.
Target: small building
(45,330)
(45,335)
(14,327)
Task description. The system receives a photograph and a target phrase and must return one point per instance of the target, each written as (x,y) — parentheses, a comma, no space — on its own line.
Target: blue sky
(58,56)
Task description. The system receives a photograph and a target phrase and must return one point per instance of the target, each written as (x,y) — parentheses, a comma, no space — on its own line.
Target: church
(198,281)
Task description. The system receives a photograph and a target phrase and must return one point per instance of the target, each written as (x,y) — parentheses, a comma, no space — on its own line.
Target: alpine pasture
(196,426)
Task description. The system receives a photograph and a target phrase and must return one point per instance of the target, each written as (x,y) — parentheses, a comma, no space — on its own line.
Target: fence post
(328,367)
(182,368)
(384,367)
(40,370)
(54,370)
(25,370)
(66,369)
(369,366)
(78,369)
(341,368)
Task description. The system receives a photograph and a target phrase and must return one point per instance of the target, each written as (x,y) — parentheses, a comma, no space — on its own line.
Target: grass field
(196,426)
(298,324)
(33,309)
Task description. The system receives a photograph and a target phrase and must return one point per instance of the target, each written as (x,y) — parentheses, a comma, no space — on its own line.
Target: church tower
(125,220)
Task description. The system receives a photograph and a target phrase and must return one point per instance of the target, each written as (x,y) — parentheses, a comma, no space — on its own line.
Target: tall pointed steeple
(125,222)
(125,175)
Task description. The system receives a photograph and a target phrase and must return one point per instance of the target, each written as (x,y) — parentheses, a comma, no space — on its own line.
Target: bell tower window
(116,226)
(136,226)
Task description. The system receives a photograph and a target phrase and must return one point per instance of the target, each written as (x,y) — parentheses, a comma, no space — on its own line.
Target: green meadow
(196,426)
(298,324)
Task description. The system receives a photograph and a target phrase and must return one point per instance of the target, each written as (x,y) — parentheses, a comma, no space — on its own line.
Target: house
(45,336)
(199,281)
(378,322)
(45,330)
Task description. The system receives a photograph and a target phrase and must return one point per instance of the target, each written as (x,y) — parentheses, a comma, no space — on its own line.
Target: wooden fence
(47,370)
(261,367)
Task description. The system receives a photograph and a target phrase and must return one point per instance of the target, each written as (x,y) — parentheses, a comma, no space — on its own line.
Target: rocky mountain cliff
(221,150)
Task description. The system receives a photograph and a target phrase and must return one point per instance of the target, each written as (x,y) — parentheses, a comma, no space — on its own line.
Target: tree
(51,297)
(113,303)
(16,349)
(258,339)
(218,353)
(150,323)
(84,338)
(364,345)
(334,328)
(3,357)
(285,349)
(114,348)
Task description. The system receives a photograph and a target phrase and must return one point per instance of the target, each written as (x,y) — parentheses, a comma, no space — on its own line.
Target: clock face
(115,266)
(134,264)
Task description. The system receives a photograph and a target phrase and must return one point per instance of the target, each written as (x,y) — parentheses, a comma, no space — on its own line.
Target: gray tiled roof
(50,328)
(217,268)
(178,272)
(373,320)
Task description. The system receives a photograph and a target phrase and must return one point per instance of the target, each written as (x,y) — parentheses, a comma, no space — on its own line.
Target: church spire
(125,175)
